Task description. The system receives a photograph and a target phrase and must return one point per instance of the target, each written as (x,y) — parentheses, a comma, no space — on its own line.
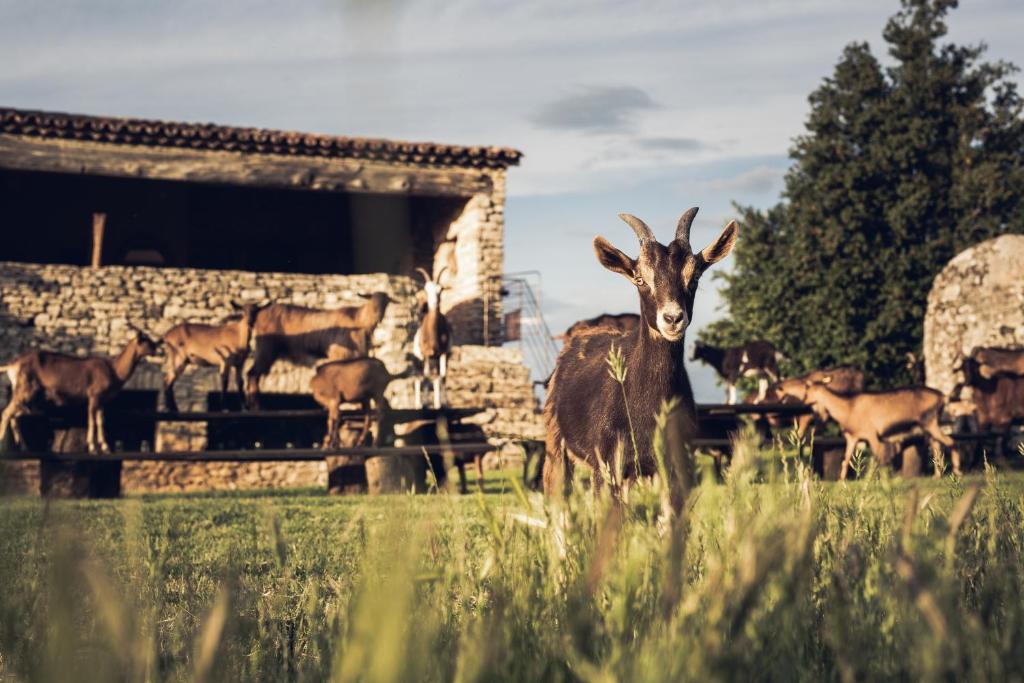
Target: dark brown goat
(998,400)
(623,322)
(992,361)
(433,341)
(588,420)
(426,433)
(225,346)
(356,380)
(306,335)
(62,379)
(753,359)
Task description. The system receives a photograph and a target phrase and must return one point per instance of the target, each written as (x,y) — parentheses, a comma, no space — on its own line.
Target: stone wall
(976,300)
(472,251)
(495,378)
(87,311)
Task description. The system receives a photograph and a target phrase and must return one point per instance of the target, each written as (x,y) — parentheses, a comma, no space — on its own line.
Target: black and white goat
(753,359)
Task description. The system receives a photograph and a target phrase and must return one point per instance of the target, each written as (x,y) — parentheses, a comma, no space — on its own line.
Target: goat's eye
(638,281)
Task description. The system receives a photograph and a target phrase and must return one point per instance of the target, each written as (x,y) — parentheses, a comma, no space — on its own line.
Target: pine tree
(900,168)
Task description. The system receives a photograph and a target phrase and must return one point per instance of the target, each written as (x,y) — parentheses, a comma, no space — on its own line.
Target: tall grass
(771,576)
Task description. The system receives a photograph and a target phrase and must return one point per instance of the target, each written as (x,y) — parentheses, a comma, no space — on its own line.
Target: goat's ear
(720,248)
(613,259)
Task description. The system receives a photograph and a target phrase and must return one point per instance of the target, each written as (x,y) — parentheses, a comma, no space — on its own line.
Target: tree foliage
(900,168)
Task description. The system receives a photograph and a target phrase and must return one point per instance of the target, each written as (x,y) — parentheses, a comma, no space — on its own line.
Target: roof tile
(112,130)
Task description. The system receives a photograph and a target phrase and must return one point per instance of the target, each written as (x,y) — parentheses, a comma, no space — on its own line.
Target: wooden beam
(235,168)
(99,222)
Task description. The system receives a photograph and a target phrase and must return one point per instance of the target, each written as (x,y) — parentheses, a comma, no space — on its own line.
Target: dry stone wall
(977,300)
(87,311)
(472,250)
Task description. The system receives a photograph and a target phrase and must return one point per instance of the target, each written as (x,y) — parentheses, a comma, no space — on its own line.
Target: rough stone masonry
(87,311)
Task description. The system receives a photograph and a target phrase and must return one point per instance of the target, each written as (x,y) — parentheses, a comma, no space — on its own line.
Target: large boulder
(977,300)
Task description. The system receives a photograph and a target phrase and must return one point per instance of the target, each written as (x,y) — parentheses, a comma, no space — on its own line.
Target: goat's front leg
(101,431)
(238,379)
(225,375)
(731,400)
(851,447)
(173,368)
(332,426)
(8,422)
(90,427)
(762,388)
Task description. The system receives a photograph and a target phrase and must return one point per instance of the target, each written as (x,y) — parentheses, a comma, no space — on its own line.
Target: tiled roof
(208,136)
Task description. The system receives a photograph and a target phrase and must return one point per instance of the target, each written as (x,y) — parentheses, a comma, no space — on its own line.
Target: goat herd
(338,341)
(591,419)
(591,414)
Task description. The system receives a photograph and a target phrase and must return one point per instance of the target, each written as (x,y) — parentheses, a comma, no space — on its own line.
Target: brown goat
(433,341)
(588,419)
(306,335)
(991,361)
(843,380)
(623,322)
(355,380)
(998,400)
(225,346)
(877,417)
(62,379)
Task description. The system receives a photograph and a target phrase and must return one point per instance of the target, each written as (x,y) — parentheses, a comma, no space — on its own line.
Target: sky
(647,108)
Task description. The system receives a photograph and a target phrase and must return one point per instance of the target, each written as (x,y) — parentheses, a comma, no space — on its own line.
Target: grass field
(782,578)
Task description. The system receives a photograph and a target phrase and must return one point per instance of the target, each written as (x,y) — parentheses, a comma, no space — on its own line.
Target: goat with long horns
(433,340)
(589,421)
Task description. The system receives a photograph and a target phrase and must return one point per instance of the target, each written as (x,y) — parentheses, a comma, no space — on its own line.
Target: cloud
(672,144)
(595,109)
(758,180)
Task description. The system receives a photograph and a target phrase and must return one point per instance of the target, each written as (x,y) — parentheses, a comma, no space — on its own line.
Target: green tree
(900,168)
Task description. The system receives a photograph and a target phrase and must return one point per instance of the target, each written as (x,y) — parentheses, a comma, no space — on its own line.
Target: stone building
(111,221)
(976,300)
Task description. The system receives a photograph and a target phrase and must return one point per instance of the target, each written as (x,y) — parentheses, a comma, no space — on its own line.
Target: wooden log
(346,474)
(99,222)
(912,463)
(237,168)
(396,474)
(828,461)
(81,479)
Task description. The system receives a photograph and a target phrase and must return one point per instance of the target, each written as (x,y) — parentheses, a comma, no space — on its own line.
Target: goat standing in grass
(588,419)
(433,340)
(306,335)
(225,346)
(877,417)
(62,379)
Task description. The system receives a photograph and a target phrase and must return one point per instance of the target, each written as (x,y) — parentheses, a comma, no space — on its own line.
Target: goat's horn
(643,233)
(683,227)
(425,274)
(439,274)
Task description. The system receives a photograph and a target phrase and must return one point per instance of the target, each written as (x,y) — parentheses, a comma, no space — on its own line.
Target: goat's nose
(674,318)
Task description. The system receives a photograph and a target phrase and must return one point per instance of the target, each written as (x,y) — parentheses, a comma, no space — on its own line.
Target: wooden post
(99,223)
